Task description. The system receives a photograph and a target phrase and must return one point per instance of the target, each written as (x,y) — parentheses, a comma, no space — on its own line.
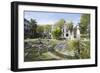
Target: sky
(52,17)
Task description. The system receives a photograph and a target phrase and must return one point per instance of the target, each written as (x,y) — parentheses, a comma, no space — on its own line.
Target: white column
(69,35)
(78,33)
(72,35)
(64,32)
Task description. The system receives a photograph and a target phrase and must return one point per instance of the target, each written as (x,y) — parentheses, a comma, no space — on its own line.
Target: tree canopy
(33,27)
(60,23)
(84,23)
(47,28)
(57,33)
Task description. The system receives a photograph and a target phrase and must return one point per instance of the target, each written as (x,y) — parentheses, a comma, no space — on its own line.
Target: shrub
(57,33)
(80,47)
(73,44)
(85,49)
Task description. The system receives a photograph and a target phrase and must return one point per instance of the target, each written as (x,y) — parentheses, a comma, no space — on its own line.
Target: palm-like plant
(33,27)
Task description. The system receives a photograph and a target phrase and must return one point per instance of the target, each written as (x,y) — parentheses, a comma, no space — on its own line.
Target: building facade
(67,34)
(26,28)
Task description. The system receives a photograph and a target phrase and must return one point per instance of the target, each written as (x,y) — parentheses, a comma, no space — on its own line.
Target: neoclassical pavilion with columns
(66,34)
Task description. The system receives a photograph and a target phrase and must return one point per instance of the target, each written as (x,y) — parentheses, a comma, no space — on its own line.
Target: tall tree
(33,27)
(85,23)
(40,30)
(47,28)
(60,23)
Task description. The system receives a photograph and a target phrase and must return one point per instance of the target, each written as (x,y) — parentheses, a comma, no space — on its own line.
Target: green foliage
(33,27)
(33,24)
(31,31)
(84,49)
(81,48)
(44,54)
(57,33)
(73,44)
(47,28)
(85,23)
(43,31)
(40,29)
(37,31)
(38,55)
(60,23)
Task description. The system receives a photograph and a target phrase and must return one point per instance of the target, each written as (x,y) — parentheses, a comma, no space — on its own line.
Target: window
(67,34)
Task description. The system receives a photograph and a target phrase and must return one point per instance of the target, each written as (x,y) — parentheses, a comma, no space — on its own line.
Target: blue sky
(52,17)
